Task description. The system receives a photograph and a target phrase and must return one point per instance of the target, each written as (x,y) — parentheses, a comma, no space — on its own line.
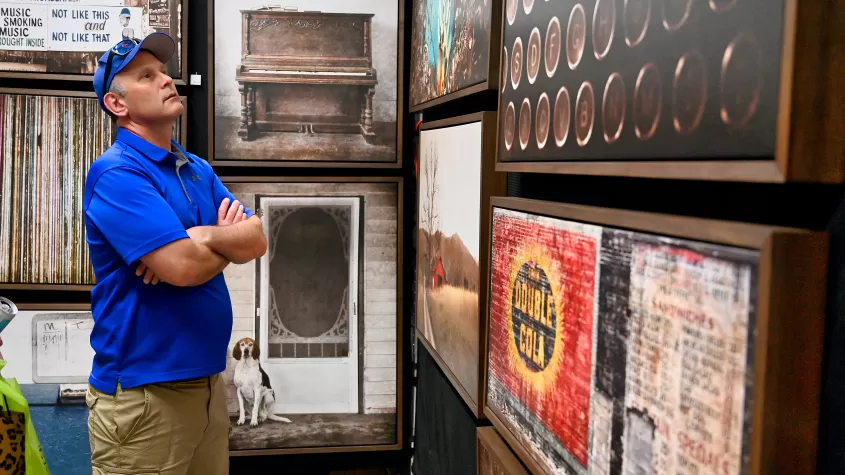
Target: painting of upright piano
(627,342)
(309,85)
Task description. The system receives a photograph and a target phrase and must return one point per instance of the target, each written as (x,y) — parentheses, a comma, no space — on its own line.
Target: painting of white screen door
(308,292)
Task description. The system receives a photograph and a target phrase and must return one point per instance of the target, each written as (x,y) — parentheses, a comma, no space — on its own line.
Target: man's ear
(115,104)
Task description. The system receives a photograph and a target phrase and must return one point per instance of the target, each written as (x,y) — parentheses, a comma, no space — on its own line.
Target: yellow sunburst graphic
(544,380)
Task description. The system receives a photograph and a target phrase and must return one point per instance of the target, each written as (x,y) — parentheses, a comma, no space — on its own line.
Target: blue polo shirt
(135,202)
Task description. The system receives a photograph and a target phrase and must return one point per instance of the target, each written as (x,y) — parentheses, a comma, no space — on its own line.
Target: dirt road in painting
(453,316)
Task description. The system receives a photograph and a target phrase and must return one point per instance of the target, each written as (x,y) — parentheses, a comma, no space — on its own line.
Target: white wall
(17,344)
(227,48)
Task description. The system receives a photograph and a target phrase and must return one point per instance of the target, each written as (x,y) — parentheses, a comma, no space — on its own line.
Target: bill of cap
(161,45)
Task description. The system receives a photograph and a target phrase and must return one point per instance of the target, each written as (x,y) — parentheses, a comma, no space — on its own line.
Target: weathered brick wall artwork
(620,352)
(47,144)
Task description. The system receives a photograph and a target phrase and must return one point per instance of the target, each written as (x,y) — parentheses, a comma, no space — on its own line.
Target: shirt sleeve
(220,192)
(132,215)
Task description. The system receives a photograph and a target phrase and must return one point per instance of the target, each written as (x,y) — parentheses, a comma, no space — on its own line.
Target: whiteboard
(61,347)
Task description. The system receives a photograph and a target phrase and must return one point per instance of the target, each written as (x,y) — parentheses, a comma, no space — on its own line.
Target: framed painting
(454,50)
(705,90)
(311,88)
(457,165)
(323,306)
(629,342)
(48,141)
(494,456)
(63,39)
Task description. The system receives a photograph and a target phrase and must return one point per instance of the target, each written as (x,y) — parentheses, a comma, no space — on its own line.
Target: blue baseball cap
(161,45)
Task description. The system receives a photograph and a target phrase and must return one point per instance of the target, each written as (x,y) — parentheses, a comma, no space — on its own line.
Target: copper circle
(527,5)
(576,36)
(542,120)
(585,113)
(648,101)
(689,94)
(552,49)
(637,16)
(562,115)
(721,6)
(613,108)
(516,63)
(505,68)
(524,123)
(511,10)
(604,25)
(742,80)
(509,125)
(675,13)
(535,55)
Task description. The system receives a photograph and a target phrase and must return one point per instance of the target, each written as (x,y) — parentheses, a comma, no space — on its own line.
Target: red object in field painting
(541,332)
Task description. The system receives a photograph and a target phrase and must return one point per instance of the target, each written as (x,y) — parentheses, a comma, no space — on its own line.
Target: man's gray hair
(117,88)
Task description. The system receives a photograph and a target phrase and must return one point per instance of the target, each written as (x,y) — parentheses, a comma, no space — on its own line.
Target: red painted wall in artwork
(559,396)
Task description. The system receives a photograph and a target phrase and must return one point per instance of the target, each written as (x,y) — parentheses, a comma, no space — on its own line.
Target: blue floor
(62,430)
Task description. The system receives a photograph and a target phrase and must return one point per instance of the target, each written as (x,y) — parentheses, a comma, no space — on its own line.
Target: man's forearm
(206,264)
(239,243)
(185,263)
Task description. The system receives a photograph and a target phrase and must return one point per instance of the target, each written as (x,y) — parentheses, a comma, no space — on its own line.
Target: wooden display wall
(644,309)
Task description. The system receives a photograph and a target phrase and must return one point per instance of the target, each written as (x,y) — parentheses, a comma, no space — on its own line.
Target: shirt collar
(153,152)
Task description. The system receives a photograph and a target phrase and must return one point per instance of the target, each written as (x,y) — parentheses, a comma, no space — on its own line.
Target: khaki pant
(179,428)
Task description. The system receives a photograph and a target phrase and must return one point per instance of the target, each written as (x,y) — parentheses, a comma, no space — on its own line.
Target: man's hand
(234,214)
(226,215)
(149,275)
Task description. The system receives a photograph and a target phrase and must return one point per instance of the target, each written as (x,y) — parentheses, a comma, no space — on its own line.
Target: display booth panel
(625,342)
(704,90)
(454,50)
(48,141)
(64,39)
(323,307)
(444,428)
(312,88)
(456,180)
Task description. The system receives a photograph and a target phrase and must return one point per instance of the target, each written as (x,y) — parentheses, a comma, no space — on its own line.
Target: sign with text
(619,352)
(71,26)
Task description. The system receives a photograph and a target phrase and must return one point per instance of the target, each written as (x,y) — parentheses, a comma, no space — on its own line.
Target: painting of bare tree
(448,277)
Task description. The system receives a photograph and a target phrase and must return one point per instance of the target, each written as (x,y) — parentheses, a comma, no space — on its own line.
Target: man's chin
(175,106)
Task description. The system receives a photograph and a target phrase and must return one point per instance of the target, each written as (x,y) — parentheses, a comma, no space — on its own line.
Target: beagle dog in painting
(253,385)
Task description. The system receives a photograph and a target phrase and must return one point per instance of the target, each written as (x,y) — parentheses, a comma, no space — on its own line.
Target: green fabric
(11,395)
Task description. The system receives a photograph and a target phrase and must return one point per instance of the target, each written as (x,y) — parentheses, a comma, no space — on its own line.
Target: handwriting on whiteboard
(62,347)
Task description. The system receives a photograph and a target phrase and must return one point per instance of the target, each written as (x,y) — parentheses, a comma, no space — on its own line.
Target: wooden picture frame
(793,137)
(490,81)
(248,276)
(181,49)
(783,342)
(492,447)
(182,126)
(307,20)
(490,183)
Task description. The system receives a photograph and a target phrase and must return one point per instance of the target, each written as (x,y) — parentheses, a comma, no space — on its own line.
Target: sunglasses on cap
(121,49)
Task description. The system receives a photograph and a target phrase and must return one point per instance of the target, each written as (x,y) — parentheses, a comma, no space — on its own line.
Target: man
(127,33)
(161,228)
